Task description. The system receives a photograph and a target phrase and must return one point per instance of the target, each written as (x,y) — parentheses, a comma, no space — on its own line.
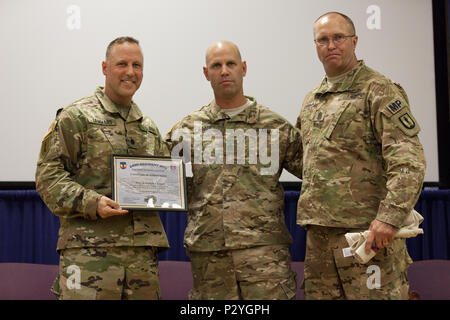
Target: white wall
(51,54)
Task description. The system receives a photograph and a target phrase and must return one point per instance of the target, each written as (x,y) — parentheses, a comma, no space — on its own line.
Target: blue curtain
(28,230)
(434,206)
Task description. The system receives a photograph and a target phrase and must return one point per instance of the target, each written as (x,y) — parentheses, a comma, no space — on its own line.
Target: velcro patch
(406,123)
(395,106)
(147,128)
(104,122)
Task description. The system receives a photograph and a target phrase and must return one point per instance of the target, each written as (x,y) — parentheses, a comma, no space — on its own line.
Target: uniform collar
(346,83)
(249,115)
(111,107)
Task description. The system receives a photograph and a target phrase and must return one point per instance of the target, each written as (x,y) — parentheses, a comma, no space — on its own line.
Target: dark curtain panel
(28,230)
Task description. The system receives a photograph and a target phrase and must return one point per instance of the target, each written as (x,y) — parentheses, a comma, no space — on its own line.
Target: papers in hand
(357,240)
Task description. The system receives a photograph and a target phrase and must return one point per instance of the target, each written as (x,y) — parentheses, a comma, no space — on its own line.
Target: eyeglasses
(337,39)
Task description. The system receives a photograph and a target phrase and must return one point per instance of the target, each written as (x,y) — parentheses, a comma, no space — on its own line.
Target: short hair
(120,40)
(350,22)
(231,44)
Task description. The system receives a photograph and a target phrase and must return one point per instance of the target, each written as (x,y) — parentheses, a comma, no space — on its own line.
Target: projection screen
(52,52)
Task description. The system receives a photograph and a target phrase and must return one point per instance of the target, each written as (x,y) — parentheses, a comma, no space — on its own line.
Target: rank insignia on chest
(123,165)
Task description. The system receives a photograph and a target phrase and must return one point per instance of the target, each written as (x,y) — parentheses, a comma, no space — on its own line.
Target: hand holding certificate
(149,183)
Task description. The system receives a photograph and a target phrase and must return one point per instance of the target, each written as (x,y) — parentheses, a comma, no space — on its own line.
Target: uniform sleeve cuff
(90,208)
(392,216)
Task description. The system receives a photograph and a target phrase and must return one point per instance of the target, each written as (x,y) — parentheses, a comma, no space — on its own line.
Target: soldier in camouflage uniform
(105,252)
(236,236)
(363,169)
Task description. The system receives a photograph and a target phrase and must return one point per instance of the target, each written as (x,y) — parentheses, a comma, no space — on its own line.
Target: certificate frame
(141,182)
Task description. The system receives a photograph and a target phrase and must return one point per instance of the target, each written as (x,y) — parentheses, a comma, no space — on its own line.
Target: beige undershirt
(338,79)
(235,111)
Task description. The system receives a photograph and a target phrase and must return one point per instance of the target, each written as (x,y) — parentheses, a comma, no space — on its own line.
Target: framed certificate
(148,183)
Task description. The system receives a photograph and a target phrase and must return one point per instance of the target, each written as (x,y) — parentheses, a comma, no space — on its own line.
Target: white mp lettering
(374,20)
(374,280)
(73,21)
(74,280)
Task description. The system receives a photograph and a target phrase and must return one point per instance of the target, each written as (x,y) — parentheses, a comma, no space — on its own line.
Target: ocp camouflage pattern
(74,171)
(233,205)
(362,156)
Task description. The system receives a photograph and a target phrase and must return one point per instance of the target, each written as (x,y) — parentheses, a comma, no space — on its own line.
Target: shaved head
(221,45)
(225,71)
(337,58)
(324,18)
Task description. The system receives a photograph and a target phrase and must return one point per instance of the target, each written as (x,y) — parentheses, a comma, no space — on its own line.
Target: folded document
(357,240)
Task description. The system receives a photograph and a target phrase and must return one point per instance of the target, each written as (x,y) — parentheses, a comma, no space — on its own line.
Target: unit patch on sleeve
(406,123)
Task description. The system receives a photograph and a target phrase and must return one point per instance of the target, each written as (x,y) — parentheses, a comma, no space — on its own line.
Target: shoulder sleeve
(391,101)
(57,159)
(307,101)
(178,139)
(396,130)
(292,161)
(160,146)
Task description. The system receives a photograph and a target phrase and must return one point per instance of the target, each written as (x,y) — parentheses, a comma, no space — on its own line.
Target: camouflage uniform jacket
(362,156)
(74,171)
(235,203)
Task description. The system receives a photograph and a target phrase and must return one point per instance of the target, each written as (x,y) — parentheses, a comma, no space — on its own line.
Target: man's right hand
(107,208)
